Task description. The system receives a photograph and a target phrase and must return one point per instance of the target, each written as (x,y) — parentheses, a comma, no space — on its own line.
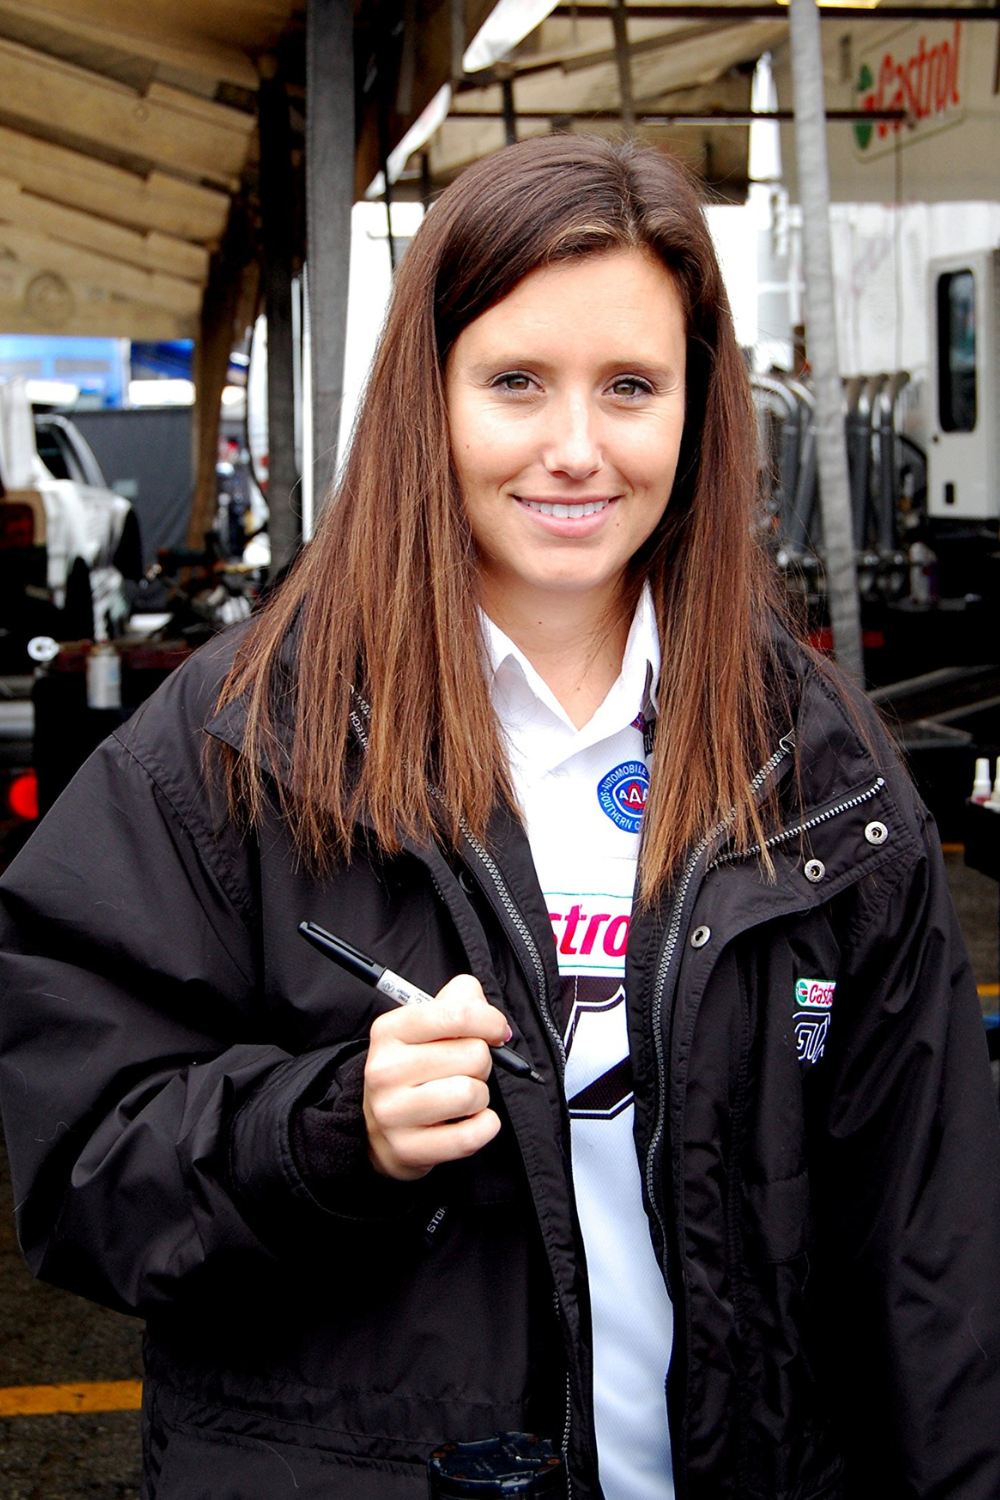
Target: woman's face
(566,408)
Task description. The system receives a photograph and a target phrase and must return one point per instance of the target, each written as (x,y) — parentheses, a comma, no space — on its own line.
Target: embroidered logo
(813,1000)
(622,794)
(815,994)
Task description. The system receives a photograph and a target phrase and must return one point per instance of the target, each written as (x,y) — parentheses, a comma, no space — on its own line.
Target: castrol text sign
(920,69)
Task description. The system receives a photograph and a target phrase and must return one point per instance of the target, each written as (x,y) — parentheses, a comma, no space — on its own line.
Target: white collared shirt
(582,792)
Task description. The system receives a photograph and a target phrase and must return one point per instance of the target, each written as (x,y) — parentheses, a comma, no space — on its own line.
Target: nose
(573,448)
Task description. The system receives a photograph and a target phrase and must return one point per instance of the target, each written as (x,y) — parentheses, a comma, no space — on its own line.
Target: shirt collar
(633,692)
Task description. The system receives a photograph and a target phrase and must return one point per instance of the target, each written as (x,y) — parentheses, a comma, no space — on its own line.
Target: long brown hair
(381,608)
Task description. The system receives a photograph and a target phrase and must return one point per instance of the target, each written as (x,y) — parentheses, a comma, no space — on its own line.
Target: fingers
(443,1101)
(393,1063)
(460,1009)
(426,1097)
(415,1152)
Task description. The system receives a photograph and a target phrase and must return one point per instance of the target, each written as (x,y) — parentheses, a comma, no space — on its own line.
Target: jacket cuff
(329,1142)
(287,1188)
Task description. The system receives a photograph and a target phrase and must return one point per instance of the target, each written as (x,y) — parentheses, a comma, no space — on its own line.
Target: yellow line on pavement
(45,1400)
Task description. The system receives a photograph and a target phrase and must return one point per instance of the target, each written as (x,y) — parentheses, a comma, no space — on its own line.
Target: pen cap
(510,1464)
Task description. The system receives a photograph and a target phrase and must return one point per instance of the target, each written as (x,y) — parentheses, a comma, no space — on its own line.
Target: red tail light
(22,796)
(17,525)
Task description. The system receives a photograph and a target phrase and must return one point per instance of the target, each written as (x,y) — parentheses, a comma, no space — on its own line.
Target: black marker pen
(397,988)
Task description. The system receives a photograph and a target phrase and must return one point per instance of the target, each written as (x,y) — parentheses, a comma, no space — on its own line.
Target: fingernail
(509,1035)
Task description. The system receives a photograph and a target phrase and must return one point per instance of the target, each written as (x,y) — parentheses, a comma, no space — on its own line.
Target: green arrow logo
(862,130)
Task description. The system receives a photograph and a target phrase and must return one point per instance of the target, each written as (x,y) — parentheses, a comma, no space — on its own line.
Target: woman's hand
(426,1099)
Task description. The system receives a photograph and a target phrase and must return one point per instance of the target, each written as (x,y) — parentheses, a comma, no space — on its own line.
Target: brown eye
(514,382)
(630,385)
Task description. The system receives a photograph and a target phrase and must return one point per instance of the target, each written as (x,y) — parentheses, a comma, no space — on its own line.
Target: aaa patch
(622,794)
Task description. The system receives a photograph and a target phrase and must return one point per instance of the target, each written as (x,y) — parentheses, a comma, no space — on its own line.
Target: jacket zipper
(509,904)
(525,934)
(785,746)
(531,947)
(800,828)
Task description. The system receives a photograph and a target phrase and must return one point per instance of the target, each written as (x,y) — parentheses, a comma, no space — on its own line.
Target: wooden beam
(770,10)
(252,24)
(34,299)
(148,252)
(228,309)
(432,66)
(191,53)
(167,127)
(183,209)
(69,264)
(277,203)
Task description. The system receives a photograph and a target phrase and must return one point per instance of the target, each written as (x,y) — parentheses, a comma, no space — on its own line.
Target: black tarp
(146,451)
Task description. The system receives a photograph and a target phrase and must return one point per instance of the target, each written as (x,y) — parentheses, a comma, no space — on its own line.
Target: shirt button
(876,833)
(814,870)
(700,937)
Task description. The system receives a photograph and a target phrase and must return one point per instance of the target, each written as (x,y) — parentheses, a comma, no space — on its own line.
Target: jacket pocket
(197,1465)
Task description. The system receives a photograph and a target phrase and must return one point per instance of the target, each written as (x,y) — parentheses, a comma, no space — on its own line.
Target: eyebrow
(632,364)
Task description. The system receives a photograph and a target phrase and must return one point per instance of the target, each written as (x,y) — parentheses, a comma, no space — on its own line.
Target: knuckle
(454,1015)
(408,1151)
(482,1058)
(381,1111)
(463,987)
(378,1071)
(382,1030)
(473,1133)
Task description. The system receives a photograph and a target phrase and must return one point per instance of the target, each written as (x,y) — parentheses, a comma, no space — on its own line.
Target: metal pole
(831,446)
(620,24)
(329,199)
(278,227)
(509,112)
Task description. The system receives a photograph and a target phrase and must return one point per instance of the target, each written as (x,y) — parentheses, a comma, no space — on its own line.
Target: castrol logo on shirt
(589,939)
(622,794)
(591,935)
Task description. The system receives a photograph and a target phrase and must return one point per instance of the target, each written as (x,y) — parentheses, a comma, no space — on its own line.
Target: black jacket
(181,1090)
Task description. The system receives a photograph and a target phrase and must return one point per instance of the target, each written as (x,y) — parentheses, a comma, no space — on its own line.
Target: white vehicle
(89,532)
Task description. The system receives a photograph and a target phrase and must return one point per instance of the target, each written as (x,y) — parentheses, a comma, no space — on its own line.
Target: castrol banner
(941,74)
(920,69)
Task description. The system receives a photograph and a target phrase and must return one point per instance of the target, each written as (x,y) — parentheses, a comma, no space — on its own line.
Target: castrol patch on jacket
(815,994)
(813,1001)
(622,794)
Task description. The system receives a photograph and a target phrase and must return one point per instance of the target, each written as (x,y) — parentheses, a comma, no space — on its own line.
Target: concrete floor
(48,1336)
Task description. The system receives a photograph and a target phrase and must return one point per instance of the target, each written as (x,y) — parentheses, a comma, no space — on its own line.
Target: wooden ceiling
(125,130)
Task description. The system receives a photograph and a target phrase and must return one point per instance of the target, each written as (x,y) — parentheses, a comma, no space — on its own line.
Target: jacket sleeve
(911,1205)
(148,1112)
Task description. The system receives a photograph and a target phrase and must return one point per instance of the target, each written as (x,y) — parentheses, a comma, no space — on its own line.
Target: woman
(762,1168)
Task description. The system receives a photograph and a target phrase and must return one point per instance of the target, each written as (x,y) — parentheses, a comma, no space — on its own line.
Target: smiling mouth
(565,512)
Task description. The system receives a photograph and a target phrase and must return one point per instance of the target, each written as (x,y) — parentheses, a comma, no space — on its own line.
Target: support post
(509,112)
(619,14)
(277,201)
(227,309)
(329,199)
(831,445)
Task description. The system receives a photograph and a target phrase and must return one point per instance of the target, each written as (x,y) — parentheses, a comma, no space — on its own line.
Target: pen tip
(535,1077)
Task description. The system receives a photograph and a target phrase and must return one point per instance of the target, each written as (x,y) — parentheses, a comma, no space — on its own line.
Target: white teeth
(566,512)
